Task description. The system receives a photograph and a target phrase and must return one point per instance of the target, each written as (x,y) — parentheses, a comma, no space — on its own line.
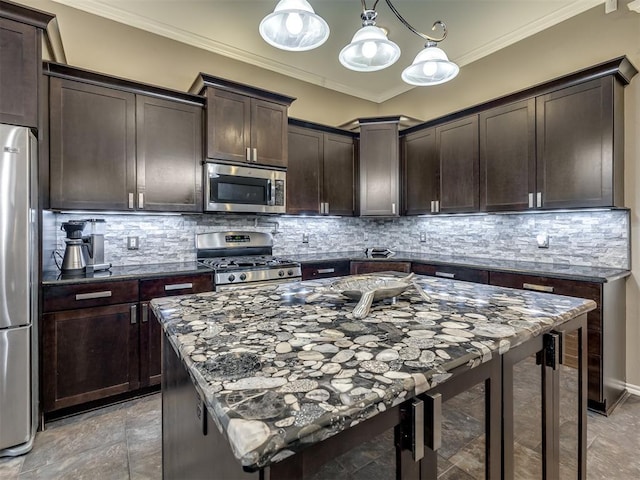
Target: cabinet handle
(321,208)
(145,312)
(326,208)
(537,288)
(393,208)
(133,310)
(177,286)
(445,275)
(437,206)
(326,270)
(92,295)
(531,200)
(141,200)
(130,200)
(248,154)
(255,155)
(539,200)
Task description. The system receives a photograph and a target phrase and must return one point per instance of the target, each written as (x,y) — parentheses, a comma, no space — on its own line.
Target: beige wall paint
(102,45)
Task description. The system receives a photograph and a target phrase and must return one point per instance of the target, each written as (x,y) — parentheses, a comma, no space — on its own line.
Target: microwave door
(235,192)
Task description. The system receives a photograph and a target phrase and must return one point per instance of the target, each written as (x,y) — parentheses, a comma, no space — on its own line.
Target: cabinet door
(575,146)
(19,67)
(457,146)
(379,170)
(228,125)
(421,172)
(306,151)
(361,267)
(92,142)
(508,157)
(169,155)
(269,133)
(338,175)
(89,354)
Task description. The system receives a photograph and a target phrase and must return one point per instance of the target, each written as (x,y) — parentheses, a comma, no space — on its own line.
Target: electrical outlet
(543,240)
(133,243)
(423,237)
(305,238)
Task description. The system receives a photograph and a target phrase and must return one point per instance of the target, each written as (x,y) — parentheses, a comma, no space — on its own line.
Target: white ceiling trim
(189,38)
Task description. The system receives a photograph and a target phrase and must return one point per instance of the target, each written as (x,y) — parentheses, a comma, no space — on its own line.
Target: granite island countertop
(278,373)
(556,270)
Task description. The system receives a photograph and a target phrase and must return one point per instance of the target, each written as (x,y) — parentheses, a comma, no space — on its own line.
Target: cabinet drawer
(70,297)
(325,270)
(179,285)
(455,273)
(558,286)
(358,268)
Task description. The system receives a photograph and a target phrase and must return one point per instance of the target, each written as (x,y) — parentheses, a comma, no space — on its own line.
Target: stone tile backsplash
(593,238)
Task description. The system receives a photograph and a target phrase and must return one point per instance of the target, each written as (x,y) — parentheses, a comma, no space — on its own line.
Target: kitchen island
(277,378)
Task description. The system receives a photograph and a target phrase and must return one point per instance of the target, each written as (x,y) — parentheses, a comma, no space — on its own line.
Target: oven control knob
(243,277)
(290,272)
(281,273)
(231,277)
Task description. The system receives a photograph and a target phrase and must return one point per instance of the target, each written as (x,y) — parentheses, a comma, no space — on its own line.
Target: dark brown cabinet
(580,145)
(326,269)
(508,157)
(465,274)
(458,153)
(89,352)
(320,175)
(421,172)
(379,168)
(605,331)
(244,124)
(115,150)
(169,155)
(363,266)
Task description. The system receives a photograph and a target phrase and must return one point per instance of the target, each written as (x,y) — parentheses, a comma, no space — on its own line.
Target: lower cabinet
(605,331)
(455,273)
(100,339)
(339,268)
(360,267)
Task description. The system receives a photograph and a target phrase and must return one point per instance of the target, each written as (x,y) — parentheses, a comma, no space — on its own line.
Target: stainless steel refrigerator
(18,290)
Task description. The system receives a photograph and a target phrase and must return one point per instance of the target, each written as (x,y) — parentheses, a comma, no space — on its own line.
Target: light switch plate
(543,240)
(305,238)
(423,237)
(133,243)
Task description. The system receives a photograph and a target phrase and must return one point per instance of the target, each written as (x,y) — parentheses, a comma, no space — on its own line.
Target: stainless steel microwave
(231,188)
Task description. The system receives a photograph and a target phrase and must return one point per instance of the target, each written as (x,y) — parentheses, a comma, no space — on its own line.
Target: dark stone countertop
(279,370)
(554,270)
(130,272)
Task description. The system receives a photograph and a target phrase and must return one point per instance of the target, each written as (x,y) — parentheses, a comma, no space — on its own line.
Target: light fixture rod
(364,5)
(429,38)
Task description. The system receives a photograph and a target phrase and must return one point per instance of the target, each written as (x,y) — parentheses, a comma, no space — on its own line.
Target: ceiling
(476,28)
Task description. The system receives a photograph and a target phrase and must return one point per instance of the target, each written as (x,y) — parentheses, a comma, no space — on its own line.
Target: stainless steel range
(244,259)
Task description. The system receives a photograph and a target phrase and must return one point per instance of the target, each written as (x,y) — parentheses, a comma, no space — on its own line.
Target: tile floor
(124,442)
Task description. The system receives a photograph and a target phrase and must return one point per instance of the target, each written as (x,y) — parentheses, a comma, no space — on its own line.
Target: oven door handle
(271,192)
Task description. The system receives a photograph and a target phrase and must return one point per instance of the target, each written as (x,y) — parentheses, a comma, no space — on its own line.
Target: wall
(596,238)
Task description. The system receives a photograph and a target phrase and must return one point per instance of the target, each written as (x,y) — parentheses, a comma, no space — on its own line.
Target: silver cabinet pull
(93,295)
(537,288)
(445,275)
(393,208)
(322,208)
(326,270)
(140,200)
(145,312)
(248,154)
(539,200)
(255,154)
(531,200)
(130,200)
(433,203)
(177,286)
(326,208)
(437,205)
(133,310)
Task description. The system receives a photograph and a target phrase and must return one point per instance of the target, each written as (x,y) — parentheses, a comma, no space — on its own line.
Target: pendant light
(294,26)
(430,67)
(370,49)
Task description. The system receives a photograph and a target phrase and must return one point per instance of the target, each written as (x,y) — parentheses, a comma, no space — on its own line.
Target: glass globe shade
(369,50)
(430,67)
(294,26)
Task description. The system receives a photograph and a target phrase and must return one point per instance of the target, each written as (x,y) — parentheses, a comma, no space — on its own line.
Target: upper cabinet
(580,146)
(421,167)
(320,175)
(117,149)
(379,167)
(244,124)
(508,157)
(20,63)
(457,149)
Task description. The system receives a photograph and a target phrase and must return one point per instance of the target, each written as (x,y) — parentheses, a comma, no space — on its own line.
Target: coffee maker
(93,244)
(73,262)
